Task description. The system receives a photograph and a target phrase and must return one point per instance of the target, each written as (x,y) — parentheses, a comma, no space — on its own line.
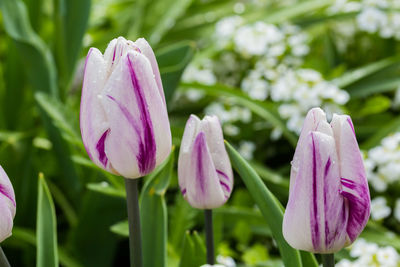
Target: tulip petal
(93,122)
(311,122)
(315,219)
(205,191)
(353,177)
(215,141)
(140,136)
(7,205)
(189,135)
(146,50)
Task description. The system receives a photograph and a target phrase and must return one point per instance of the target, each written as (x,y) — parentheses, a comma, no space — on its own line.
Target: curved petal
(311,122)
(204,191)
(93,122)
(353,177)
(140,136)
(7,205)
(146,50)
(189,135)
(315,218)
(215,141)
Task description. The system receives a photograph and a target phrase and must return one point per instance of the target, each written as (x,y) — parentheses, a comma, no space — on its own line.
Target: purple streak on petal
(147,146)
(6,193)
(328,240)
(200,145)
(226,177)
(224,185)
(115,48)
(348,183)
(100,148)
(127,115)
(183,191)
(315,231)
(351,125)
(358,208)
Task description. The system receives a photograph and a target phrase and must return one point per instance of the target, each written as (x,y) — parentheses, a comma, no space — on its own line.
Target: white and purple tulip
(7,205)
(329,201)
(204,170)
(123,117)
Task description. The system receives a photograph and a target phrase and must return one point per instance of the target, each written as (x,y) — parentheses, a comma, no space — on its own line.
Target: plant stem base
(135,237)
(328,260)
(209,236)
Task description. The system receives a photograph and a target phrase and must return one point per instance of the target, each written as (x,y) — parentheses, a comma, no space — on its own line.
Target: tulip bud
(204,170)
(7,205)
(329,202)
(123,118)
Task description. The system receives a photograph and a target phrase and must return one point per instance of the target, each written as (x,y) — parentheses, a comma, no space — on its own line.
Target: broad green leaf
(172,60)
(37,58)
(46,228)
(270,207)
(194,251)
(262,109)
(71,17)
(154,215)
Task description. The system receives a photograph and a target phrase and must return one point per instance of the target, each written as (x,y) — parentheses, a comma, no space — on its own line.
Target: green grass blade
(262,109)
(154,215)
(46,228)
(194,251)
(270,207)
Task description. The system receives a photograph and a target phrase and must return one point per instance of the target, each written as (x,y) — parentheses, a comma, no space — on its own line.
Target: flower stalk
(135,237)
(209,236)
(3,259)
(328,260)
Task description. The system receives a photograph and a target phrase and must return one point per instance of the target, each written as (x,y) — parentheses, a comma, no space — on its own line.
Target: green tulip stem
(209,236)
(135,238)
(3,259)
(328,260)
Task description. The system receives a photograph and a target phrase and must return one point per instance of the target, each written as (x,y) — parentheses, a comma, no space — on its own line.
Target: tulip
(204,170)
(7,206)
(329,201)
(123,118)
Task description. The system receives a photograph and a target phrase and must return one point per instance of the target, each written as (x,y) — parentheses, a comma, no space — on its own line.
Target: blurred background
(259,65)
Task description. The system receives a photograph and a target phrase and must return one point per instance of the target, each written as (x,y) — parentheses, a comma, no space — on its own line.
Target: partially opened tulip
(204,170)
(329,201)
(123,118)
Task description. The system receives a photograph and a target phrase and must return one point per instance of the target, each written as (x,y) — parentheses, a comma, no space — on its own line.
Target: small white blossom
(246,149)
(379,209)
(226,261)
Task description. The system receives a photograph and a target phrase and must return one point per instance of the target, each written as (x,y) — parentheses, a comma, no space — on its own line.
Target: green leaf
(107,189)
(270,207)
(381,235)
(121,228)
(172,60)
(353,76)
(71,17)
(37,59)
(391,127)
(46,228)
(262,109)
(194,251)
(154,215)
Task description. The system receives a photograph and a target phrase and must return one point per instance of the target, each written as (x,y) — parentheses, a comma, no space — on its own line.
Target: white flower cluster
(375,16)
(222,261)
(379,209)
(370,255)
(382,163)
(264,61)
